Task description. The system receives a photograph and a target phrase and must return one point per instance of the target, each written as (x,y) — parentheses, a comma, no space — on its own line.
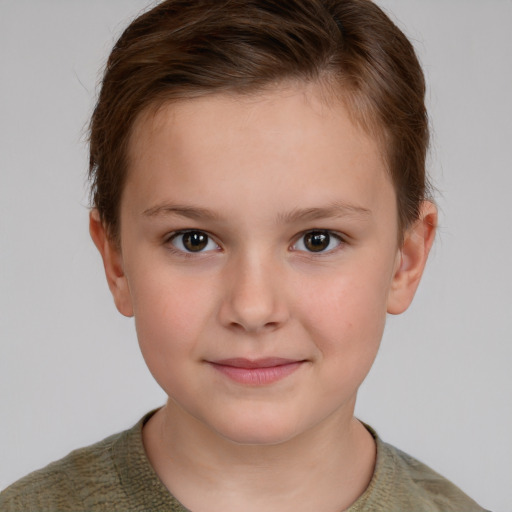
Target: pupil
(317,241)
(195,241)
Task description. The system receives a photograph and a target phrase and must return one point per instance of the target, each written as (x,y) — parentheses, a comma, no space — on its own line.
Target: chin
(260,430)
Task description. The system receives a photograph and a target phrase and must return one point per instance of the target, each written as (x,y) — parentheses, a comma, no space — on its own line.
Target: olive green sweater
(115,475)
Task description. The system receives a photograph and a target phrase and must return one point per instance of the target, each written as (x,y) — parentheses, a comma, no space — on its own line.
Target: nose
(253,296)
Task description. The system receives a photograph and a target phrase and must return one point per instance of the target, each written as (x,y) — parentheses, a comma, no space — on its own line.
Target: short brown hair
(183,48)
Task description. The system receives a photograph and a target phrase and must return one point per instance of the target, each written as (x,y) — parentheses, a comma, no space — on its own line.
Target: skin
(255,173)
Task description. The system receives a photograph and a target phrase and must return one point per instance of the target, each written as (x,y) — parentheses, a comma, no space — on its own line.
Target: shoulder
(112,475)
(428,486)
(71,483)
(401,482)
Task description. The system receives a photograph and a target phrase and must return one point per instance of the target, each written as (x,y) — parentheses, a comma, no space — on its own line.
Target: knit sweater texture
(115,475)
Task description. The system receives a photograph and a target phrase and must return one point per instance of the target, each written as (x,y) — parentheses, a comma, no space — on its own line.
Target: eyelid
(341,238)
(175,234)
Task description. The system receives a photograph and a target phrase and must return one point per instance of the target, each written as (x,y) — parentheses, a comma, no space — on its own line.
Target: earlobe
(413,257)
(113,264)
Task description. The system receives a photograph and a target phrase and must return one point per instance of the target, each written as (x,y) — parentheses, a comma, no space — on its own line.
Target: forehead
(291,143)
(302,101)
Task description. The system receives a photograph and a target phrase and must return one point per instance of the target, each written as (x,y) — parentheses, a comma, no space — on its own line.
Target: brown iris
(194,241)
(316,241)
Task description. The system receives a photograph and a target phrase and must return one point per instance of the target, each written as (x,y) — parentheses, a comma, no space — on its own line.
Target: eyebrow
(334,210)
(190,212)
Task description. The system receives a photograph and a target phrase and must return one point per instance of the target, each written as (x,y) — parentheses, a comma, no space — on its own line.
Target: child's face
(257,231)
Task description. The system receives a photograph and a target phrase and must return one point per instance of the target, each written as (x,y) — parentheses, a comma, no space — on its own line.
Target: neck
(325,468)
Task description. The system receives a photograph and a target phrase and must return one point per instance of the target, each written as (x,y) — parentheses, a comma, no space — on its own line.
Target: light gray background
(70,369)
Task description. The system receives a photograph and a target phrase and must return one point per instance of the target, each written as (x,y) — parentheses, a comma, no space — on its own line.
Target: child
(260,205)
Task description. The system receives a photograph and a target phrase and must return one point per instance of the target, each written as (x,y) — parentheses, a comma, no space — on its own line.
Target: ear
(113,263)
(412,259)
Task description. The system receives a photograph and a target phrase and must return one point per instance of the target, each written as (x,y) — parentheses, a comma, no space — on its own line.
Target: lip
(256,372)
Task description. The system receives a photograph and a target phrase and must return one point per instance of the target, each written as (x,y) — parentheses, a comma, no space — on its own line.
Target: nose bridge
(254,297)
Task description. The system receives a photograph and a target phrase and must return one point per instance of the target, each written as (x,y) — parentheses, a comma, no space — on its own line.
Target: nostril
(268,326)
(236,326)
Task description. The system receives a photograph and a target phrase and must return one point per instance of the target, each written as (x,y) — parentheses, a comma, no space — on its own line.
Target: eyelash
(324,232)
(184,252)
(187,253)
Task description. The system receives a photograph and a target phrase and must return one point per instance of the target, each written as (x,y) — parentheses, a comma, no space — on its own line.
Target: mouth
(257,372)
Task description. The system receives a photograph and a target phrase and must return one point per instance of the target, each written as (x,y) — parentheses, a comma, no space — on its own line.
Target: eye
(317,241)
(193,241)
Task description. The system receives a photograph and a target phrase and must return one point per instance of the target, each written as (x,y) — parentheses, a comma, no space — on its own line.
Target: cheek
(170,318)
(345,323)
(346,317)
(170,313)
